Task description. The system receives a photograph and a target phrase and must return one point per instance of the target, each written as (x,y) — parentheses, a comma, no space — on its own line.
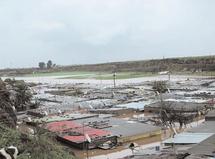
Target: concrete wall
(146,136)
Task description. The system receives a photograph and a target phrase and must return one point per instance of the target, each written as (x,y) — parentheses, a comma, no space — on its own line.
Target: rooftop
(49,119)
(188,138)
(205,127)
(73,131)
(121,127)
(210,116)
(207,147)
(134,105)
(187,106)
(110,109)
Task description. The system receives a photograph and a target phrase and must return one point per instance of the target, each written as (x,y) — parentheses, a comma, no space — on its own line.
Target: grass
(49,74)
(109,76)
(92,75)
(124,75)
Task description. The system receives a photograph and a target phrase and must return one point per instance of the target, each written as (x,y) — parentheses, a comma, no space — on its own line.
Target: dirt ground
(96,152)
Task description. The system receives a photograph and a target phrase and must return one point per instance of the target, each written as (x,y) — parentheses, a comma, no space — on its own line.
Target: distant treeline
(191,64)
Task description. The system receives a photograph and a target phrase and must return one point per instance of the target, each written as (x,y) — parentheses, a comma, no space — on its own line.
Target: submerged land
(144,109)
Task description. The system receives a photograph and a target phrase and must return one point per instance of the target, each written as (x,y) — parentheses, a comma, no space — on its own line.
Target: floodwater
(59,80)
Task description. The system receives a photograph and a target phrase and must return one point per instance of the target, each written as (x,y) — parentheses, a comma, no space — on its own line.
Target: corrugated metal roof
(188,138)
(205,127)
(204,148)
(211,114)
(71,126)
(185,106)
(124,128)
(63,125)
(49,119)
(134,105)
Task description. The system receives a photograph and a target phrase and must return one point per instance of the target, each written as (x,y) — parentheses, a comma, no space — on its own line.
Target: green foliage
(42,65)
(40,146)
(49,64)
(20,93)
(8,136)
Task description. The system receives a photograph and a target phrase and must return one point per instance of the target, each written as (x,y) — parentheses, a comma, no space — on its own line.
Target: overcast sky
(96,31)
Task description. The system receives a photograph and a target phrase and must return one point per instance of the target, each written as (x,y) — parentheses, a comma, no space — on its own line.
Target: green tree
(49,64)
(42,65)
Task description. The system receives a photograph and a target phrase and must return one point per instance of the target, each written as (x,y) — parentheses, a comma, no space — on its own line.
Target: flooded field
(59,92)
(125,103)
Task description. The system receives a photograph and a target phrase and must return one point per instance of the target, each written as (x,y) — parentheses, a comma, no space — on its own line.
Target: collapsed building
(108,131)
(177,112)
(115,111)
(180,107)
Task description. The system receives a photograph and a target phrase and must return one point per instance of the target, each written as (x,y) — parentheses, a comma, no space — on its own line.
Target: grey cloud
(94,31)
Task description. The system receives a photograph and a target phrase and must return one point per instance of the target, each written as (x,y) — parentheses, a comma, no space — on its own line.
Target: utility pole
(114,80)
(87,149)
(87,141)
(169,75)
(84,139)
(85,145)
(161,108)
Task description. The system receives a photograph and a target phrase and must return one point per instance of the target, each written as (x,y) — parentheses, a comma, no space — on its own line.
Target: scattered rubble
(160,86)
(170,106)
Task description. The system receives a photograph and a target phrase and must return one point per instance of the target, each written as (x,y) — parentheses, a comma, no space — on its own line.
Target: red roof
(212,101)
(71,126)
(62,125)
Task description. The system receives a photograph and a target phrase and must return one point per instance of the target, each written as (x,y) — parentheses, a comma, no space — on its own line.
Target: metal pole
(87,144)
(84,145)
(84,137)
(114,79)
